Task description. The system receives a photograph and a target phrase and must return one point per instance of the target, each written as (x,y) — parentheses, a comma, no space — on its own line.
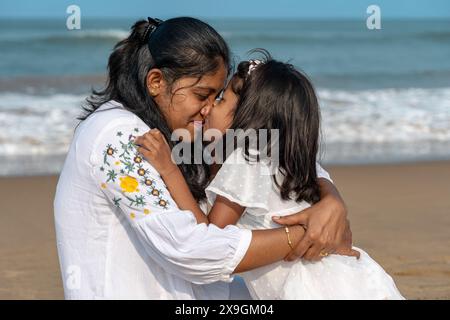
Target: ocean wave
(334,37)
(70,36)
(116,34)
(44,124)
(385,115)
(37,125)
(435,35)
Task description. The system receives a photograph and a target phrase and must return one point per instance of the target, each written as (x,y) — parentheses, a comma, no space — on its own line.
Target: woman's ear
(155,82)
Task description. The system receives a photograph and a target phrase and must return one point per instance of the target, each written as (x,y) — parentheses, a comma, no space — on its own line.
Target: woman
(119,233)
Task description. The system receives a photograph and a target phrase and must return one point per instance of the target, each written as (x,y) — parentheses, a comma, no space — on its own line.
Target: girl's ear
(155,82)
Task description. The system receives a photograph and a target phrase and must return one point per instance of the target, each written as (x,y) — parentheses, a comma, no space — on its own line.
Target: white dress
(334,277)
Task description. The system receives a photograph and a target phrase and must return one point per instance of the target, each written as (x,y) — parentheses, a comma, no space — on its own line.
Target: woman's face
(221,115)
(186,104)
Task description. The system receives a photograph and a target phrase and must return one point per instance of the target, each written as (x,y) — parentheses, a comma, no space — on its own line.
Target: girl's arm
(156,150)
(225,212)
(180,192)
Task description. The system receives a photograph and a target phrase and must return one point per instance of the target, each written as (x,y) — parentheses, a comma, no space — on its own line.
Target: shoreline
(399,213)
(50,165)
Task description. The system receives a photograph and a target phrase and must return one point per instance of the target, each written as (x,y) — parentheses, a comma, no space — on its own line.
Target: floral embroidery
(163,203)
(129,166)
(131,175)
(147,182)
(117,201)
(112,175)
(155,192)
(128,184)
(109,152)
(138,201)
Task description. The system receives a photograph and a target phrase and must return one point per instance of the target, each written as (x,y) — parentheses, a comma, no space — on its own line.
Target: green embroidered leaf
(138,201)
(117,201)
(129,166)
(112,175)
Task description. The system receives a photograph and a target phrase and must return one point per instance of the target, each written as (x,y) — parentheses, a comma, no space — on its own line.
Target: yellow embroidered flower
(132,215)
(146,211)
(103,185)
(128,184)
(117,163)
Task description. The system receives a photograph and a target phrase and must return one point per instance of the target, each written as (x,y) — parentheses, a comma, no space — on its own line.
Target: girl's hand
(155,149)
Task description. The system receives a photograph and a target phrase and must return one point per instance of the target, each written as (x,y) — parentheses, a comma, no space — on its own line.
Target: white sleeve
(322,173)
(195,252)
(246,183)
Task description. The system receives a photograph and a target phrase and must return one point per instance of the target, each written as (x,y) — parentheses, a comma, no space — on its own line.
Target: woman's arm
(328,229)
(259,254)
(326,222)
(172,238)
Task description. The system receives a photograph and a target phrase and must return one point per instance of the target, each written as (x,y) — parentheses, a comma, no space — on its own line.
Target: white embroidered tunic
(119,233)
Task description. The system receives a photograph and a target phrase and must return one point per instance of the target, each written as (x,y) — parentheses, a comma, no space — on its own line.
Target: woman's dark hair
(277,96)
(179,47)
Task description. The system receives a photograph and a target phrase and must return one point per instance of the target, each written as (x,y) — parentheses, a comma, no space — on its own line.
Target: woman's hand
(155,149)
(327,227)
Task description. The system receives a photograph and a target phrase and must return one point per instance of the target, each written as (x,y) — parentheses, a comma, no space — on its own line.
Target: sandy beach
(400,215)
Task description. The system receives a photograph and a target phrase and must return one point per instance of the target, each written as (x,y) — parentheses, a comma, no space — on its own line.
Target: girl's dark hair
(277,96)
(179,47)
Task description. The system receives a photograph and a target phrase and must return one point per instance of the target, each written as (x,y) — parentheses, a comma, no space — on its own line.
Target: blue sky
(323,9)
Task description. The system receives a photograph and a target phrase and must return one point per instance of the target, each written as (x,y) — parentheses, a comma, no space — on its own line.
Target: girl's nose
(206,110)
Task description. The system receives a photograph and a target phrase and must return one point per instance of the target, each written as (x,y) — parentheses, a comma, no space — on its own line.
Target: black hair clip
(153,23)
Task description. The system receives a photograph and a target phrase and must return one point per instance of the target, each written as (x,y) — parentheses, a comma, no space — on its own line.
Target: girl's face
(221,115)
(186,104)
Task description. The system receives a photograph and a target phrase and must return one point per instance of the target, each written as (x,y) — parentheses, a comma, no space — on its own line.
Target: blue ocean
(384,94)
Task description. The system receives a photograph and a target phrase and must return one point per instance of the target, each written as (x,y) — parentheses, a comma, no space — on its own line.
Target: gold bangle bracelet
(286,229)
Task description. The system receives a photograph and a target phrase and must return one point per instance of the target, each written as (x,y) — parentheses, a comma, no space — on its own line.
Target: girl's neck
(215,167)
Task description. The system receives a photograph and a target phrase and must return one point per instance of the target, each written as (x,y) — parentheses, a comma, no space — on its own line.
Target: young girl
(273,95)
